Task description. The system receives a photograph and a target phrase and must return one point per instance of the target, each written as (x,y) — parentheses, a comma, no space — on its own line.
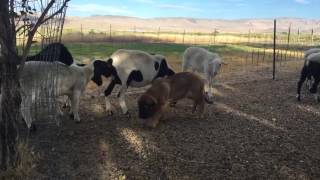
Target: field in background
(240,58)
(216,37)
(243,51)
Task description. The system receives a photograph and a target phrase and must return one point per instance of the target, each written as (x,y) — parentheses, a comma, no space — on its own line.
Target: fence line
(253,49)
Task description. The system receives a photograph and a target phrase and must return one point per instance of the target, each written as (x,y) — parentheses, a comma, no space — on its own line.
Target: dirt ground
(255,130)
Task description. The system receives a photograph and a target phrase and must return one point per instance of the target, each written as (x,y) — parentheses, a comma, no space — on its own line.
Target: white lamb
(203,61)
(56,79)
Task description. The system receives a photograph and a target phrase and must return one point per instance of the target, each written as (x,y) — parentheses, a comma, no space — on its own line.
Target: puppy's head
(148,106)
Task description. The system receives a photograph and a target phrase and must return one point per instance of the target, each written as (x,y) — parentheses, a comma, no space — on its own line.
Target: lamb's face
(215,67)
(102,68)
(164,69)
(147,106)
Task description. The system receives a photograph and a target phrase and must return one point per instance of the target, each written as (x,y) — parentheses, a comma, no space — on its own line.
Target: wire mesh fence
(244,52)
(44,98)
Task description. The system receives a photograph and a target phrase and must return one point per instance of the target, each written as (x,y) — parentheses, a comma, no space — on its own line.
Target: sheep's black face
(97,79)
(170,72)
(102,68)
(147,107)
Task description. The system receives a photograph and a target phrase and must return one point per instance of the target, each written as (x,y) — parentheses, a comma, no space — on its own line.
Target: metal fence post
(81,32)
(312,36)
(184,33)
(110,33)
(274,49)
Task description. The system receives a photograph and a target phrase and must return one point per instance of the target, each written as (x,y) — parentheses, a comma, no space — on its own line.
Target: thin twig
(23,26)
(57,12)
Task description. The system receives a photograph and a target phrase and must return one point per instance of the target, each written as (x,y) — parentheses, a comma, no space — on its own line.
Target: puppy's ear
(153,101)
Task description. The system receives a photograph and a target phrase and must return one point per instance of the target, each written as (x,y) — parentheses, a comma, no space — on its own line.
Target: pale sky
(211,9)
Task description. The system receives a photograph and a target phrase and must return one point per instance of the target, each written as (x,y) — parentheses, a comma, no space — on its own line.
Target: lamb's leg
(314,88)
(59,112)
(309,81)
(208,86)
(75,98)
(122,101)
(107,93)
(108,106)
(211,88)
(66,102)
(303,76)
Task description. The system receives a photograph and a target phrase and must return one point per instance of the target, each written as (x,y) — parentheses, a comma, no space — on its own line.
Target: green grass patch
(104,50)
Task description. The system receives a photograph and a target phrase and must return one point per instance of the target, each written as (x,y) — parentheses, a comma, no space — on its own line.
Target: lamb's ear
(224,63)
(109,62)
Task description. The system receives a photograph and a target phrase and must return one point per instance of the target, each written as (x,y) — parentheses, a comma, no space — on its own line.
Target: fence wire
(44,88)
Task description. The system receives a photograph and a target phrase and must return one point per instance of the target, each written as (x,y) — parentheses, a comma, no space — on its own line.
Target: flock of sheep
(53,70)
(134,68)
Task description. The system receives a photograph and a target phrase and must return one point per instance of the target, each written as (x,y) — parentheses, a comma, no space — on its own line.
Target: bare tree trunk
(9,76)
(10,101)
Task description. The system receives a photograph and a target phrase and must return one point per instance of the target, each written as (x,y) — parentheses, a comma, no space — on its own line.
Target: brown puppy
(154,102)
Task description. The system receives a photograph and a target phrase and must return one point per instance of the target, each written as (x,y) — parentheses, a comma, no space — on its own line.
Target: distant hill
(189,24)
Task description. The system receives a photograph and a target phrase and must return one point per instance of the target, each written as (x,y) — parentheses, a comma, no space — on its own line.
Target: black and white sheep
(58,80)
(134,68)
(203,61)
(311,68)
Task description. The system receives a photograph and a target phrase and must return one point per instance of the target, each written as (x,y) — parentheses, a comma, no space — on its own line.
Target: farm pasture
(255,129)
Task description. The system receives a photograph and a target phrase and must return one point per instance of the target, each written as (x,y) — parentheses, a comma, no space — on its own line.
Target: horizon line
(174,17)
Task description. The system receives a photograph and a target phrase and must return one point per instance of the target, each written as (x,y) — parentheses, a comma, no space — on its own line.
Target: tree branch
(39,22)
(23,26)
(57,12)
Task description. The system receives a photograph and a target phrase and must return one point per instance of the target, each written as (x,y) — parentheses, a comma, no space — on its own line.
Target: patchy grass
(103,50)
(26,165)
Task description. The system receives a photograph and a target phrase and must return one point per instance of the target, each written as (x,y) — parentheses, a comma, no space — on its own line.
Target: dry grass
(26,165)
